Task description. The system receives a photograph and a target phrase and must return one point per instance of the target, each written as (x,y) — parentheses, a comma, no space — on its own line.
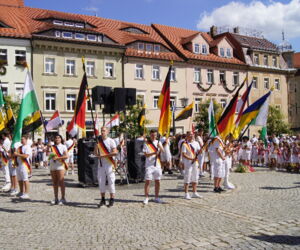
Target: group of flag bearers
(192,153)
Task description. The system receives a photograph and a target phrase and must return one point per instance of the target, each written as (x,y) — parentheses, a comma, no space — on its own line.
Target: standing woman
(58,166)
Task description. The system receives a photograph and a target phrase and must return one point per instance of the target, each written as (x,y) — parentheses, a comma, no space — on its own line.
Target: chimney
(213,31)
(236,30)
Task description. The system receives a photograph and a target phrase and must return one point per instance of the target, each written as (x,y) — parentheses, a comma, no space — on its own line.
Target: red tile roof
(175,36)
(16,3)
(296,60)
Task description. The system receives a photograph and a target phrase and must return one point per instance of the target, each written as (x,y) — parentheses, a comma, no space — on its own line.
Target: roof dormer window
(100,38)
(91,37)
(204,49)
(69,24)
(228,52)
(57,33)
(222,52)
(58,22)
(149,47)
(196,48)
(79,36)
(67,35)
(156,48)
(141,46)
(79,25)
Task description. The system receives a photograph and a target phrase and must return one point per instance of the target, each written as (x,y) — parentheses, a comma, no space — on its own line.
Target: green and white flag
(263,135)
(211,119)
(29,105)
(2,102)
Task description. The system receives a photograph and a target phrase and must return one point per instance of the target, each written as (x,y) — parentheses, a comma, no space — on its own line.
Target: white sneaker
(19,194)
(196,195)
(187,196)
(62,202)
(146,201)
(229,186)
(24,196)
(13,192)
(54,202)
(6,187)
(157,200)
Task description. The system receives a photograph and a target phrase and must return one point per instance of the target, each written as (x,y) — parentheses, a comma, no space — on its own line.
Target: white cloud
(269,18)
(91,9)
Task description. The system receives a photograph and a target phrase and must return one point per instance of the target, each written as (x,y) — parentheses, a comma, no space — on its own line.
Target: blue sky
(269,17)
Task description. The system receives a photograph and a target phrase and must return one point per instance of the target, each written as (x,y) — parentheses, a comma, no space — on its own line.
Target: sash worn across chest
(104,151)
(71,147)
(4,158)
(191,149)
(56,151)
(154,149)
(24,160)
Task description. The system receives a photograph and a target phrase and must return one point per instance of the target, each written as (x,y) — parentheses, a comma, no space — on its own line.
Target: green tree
(201,118)
(276,124)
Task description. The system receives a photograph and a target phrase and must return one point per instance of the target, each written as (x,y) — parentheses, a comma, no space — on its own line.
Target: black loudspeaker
(87,166)
(109,106)
(136,159)
(130,96)
(100,94)
(120,99)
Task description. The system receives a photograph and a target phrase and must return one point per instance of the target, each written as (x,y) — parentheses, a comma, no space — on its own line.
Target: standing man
(217,158)
(190,150)
(201,155)
(105,150)
(23,155)
(152,149)
(70,144)
(5,150)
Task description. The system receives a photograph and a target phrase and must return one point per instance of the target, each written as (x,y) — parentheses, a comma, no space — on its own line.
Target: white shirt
(62,149)
(150,161)
(7,144)
(188,148)
(110,144)
(26,150)
(68,144)
(216,144)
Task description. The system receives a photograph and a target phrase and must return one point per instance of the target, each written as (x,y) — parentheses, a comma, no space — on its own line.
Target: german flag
(78,120)
(165,106)
(185,113)
(225,124)
(10,118)
(142,116)
(33,123)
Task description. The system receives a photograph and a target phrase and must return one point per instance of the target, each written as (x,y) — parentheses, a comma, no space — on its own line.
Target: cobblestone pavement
(263,212)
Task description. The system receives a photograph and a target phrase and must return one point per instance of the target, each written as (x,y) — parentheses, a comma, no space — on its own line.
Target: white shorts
(246,155)
(218,168)
(106,173)
(153,173)
(22,173)
(166,157)
(57,168)
(70,160)
(191,173)
(12,169)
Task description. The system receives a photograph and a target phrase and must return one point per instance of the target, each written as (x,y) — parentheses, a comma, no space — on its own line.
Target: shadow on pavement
(280,239)
(12,211)
(278,188)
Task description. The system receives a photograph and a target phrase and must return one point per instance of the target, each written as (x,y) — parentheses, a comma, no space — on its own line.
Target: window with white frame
(197,104)
(266,83)
(70,67)
(149,47)
(79,36)
(222,52)
(91,37)
(67,35)
(222,76)
(50,101)
(236,78)
(3,56)
(58,22)
(155,72)
(196,48)
(204,49)
(156,48)
(79,25)
(109,69)
(71,102)
(90,68)
(274,60)
(266,63)
(139,71)
(155,101)
(223,103)
(70,24)
(210,76)
(256,59)
(277,84)
(49,65)
(197,76)
(141,47)
(228,52)
(173,74)
(57,33)
(173,101)
(140,100)
(255,82)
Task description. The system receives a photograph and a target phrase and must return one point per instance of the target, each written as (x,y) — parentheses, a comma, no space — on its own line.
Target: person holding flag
(58,166)
(5,159)
(105,150)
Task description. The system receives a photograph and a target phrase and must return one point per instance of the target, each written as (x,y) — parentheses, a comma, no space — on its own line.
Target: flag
(251,113)
(10,118)
(185,113)
(33,123)
(2,102)
(78,120)
(225,124)
(165,107)
(142,116)
(211,120)
(7,119)
(28,106)
(262,117)
(264,135)
(54,122)
(242,103)
(115,121)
